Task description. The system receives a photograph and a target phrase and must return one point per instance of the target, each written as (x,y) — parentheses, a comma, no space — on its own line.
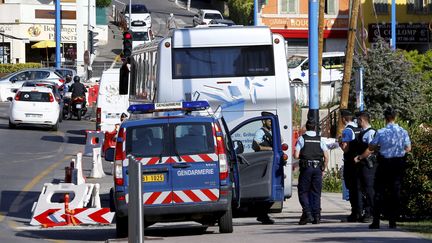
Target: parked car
(204,17)
(222,22)
(140,16)
(140,36)
(34,106)
(16,80)
(331,70)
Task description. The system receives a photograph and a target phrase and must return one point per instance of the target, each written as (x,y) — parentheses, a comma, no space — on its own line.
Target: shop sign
(405,32)
(303,23)
(50,14)
(39,32)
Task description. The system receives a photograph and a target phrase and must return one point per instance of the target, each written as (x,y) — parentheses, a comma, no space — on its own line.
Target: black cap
(266,113)
(311,123)
(346,112)
(389,111)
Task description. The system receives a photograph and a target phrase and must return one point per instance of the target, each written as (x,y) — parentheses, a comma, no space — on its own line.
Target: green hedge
(10,68)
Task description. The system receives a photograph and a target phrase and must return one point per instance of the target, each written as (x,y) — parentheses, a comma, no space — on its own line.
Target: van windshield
(172,139)
(295,61)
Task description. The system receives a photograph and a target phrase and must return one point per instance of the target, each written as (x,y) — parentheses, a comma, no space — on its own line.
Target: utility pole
(57,34)
(313,113)
(320,43)
(393,25)
(349,54)
(256,12)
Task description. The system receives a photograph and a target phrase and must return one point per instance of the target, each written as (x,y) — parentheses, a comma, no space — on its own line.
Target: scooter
(74,107)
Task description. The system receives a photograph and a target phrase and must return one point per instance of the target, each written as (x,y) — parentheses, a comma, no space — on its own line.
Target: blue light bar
(171,106)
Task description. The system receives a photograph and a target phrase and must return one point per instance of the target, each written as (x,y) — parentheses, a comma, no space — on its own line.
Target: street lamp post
(3,47)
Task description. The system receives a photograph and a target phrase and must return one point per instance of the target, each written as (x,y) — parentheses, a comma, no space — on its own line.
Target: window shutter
(331,7)
(291,6)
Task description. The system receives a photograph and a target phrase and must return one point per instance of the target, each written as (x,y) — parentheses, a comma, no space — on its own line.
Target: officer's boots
(316,219)
(306,218)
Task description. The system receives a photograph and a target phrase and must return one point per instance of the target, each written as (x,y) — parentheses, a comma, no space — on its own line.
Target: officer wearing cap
(393,143)
(348,145)
(263,141)
(366,165)
(313,155)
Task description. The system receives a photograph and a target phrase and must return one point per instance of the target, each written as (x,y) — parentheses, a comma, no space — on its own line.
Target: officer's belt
(309,163)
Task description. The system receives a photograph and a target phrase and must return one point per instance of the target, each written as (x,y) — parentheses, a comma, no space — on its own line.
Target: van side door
(261,172)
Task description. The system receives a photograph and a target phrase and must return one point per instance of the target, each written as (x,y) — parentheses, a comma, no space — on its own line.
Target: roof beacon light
(171,106)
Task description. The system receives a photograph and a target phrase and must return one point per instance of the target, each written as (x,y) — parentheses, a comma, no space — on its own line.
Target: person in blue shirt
(348,144)
(392,142)
(263,141)
(313,155)
(366,165)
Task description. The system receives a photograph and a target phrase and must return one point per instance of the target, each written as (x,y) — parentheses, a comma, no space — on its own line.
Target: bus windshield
(216,62)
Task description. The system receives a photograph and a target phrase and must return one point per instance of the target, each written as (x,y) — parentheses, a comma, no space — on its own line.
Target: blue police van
(193,168)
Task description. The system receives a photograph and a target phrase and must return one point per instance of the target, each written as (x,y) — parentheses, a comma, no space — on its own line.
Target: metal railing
(329,123)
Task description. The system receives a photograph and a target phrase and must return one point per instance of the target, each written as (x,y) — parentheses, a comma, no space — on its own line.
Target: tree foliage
(103,3)
(390,80)
(241,11)
(422,63)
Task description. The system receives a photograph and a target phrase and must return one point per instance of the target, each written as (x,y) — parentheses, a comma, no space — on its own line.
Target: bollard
(68,174)
(135,205)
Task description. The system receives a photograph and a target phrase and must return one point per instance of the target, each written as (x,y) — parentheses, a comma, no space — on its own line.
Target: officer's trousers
(365,188)
(350,178)
(309,189)
(388,179)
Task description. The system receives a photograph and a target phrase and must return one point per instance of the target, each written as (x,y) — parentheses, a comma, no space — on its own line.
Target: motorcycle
(74,107)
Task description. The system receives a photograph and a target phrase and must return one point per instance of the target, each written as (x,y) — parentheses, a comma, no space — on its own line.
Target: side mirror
(14,90)
(238,146)
(9,99)
(109,154)
(196,16)
(14,79)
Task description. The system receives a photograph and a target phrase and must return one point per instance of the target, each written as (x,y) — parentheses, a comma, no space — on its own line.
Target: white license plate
(111,116)
(78,106)
(33,115)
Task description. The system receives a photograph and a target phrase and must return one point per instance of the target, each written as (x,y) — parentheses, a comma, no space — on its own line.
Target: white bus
(241,69)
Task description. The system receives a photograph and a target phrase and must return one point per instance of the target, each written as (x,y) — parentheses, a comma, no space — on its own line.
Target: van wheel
(111,200)
(121,227)
(11,125)
(55,126)
(226,222)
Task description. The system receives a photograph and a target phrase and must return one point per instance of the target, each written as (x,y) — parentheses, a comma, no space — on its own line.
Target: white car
(140,16)
(140,36)
(204,17)
(34,106)
(15,80)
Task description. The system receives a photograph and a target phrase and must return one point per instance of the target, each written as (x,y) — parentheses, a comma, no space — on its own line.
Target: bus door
(261,172)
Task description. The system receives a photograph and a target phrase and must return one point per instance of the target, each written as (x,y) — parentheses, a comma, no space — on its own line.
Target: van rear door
(195,170)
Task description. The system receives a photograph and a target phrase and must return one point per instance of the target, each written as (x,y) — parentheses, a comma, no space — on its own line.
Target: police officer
(366,165)
(263,141)
(313,155)
(348,145)
(393,143)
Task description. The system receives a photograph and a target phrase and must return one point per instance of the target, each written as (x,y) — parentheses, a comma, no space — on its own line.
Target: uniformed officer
(366,162)
(348,145)
(263,141)
(393,143)
(313,155)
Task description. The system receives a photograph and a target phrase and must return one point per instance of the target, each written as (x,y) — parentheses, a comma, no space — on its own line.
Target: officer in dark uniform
(366,165)
(313,155)
(348,144)
(393,143)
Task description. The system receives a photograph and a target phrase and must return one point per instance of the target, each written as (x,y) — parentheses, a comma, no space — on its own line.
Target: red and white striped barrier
(181,196)
(173,159)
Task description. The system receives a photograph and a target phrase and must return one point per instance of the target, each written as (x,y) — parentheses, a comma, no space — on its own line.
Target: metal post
(393,25)
(361,105)
(57,33)
(3,46)
(313,113)
(135,205)
(256,12)
(130,14)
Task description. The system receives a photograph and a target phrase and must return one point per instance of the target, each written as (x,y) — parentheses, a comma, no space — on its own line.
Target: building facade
(413,18)
(24,23)
(290,19)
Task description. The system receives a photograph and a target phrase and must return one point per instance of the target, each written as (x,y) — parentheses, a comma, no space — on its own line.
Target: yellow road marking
(17,202)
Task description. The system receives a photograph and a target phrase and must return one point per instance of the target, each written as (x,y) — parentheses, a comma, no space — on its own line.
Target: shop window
(331,7)
(381,6)
(289,6)
(419,6)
